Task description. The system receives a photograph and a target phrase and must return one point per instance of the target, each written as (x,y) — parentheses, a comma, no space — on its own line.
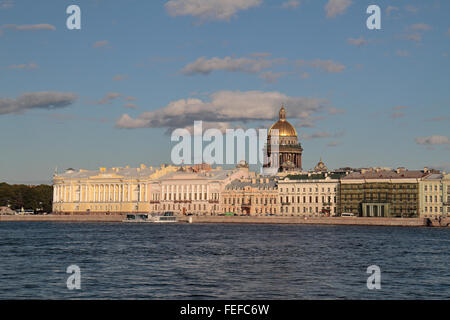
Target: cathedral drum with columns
(288,157)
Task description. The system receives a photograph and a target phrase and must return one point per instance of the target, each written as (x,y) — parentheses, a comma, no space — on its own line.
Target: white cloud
(206,66)
(357,42)
(224,107)
(107,99)
(27,66)
(291,4)
(36,100)
(336,7)
(209,9)
(433,140)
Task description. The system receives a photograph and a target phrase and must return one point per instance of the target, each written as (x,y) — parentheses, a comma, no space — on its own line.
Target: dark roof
(386,175)
(316,176)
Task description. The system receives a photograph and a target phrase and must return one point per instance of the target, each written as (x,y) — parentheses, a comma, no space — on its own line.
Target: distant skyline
(111,93)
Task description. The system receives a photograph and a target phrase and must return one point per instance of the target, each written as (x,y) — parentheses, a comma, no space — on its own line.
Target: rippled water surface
(221,261)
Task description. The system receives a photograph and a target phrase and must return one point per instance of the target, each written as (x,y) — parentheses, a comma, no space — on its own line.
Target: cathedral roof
(285,129)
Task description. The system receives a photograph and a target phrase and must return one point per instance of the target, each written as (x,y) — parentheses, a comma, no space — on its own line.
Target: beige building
(310,193)
(434,195)
(187,191)
(113,190)
(253,195)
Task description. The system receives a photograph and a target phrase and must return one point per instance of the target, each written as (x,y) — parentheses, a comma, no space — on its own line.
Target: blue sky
(107,95)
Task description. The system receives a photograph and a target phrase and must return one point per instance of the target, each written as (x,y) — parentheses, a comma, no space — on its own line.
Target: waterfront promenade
(363,221)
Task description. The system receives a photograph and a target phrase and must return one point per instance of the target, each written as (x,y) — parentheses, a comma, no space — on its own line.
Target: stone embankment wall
(407,222)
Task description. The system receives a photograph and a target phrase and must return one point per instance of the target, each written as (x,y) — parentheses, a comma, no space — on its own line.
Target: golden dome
(285,129)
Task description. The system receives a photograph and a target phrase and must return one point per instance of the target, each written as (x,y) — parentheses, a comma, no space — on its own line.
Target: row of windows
(302,209)
(188,207)
(430,209)
(310,198)
(185,196)
(304,189)
(430,199)
(430,187)
(242,200)
(257,210)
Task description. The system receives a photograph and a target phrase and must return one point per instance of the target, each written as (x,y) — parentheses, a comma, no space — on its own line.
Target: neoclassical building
(113,190)
(253,195)
(312,193)
(187,191)
(289,154)
(434,195)
(182,190)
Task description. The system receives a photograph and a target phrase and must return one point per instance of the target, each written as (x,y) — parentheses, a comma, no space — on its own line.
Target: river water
(221,261)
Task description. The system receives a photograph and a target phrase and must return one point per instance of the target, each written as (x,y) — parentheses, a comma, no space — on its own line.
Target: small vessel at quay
(166,217)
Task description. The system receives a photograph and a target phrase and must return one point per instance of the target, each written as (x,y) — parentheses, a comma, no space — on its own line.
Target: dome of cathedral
(285,129)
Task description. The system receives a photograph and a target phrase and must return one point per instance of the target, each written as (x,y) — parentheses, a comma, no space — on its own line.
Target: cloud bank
(209,10)
(36,100)
(224,107)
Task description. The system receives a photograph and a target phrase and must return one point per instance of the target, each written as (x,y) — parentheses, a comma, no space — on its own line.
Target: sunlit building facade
(107,190)
(313,193)
(434,195)
(254,195)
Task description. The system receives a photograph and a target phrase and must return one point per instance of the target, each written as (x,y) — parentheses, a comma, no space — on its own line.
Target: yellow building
(113,190)
(434,195)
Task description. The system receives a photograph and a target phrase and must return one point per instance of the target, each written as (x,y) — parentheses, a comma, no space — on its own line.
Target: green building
(381,193)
